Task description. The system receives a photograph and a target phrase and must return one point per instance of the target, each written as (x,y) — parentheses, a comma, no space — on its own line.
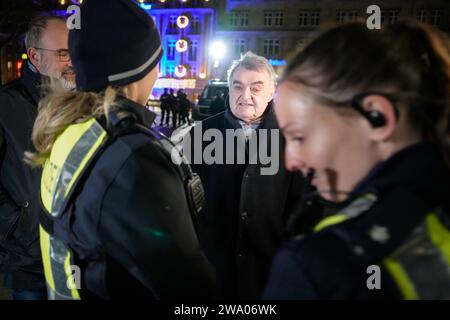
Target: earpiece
(375,118)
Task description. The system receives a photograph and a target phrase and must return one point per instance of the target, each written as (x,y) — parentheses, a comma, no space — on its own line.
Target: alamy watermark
(373,282)
(74,19)
(374,20)
(213,146)
(74,277)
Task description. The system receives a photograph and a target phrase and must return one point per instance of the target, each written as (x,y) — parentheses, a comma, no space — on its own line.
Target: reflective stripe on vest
(354,209)
(421,266)
(70,154)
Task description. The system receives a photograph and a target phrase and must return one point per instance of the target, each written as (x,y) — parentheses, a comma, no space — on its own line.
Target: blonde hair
(59,109)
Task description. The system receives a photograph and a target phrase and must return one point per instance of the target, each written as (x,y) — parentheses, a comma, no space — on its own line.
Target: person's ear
(380,112)
(272,93)
(35,57)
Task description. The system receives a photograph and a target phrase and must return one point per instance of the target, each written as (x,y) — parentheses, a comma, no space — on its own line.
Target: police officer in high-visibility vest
(366,116)
(120,211)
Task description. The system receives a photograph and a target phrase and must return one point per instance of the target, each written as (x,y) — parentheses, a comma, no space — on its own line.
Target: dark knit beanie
(117,44)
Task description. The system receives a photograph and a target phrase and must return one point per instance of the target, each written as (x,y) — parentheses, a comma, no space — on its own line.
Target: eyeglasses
(63,54)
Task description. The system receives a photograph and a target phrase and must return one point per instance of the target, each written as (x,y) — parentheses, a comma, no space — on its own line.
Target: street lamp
(217,52)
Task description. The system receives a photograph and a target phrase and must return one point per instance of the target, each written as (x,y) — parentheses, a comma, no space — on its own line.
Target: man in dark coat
(173,103)
(165,107)
(20,259)
(218,104)
(247,202)
(184,107)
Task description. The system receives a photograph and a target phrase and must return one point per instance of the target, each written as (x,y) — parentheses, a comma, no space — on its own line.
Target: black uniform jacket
(20,256)
(130,226)
(333,263)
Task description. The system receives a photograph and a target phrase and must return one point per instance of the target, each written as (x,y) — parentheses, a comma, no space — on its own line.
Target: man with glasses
(47,48)
(46,42)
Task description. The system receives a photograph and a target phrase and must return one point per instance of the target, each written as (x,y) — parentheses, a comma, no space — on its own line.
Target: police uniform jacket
(391,241)
(128,225)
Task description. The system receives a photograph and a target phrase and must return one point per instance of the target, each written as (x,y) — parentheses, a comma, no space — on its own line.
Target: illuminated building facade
(186,29)
(276,28)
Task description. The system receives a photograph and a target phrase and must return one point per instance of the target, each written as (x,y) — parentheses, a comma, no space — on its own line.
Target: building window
(239,18)
(393,16)
(267,18)
(170,49)
(435,18)
(352,15)
(170,70)
(303,19)
(193,71)
(237,47)
(341,16)
(273,18)
(383,17)
(422,15)
(195,25)
(193,48)
(172,26)
(271,47)
(315,18)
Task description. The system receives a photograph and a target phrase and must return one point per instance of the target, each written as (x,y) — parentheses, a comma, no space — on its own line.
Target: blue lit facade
(198,35)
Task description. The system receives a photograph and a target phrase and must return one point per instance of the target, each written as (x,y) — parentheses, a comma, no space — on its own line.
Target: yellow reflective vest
(71,153)
(426,249)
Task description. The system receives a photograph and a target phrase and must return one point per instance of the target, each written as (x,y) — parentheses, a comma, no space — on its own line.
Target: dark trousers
(165,113)
(174,118)
(184,117)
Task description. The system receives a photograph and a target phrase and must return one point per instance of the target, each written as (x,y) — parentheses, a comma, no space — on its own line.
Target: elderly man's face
(250,92)
(52,59)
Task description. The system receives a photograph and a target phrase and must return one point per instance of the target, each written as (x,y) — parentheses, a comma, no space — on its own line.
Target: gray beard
(67,85)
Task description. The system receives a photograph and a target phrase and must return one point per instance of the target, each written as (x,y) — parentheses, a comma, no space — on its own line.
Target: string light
(181,45)
(180,71)
(182,22)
